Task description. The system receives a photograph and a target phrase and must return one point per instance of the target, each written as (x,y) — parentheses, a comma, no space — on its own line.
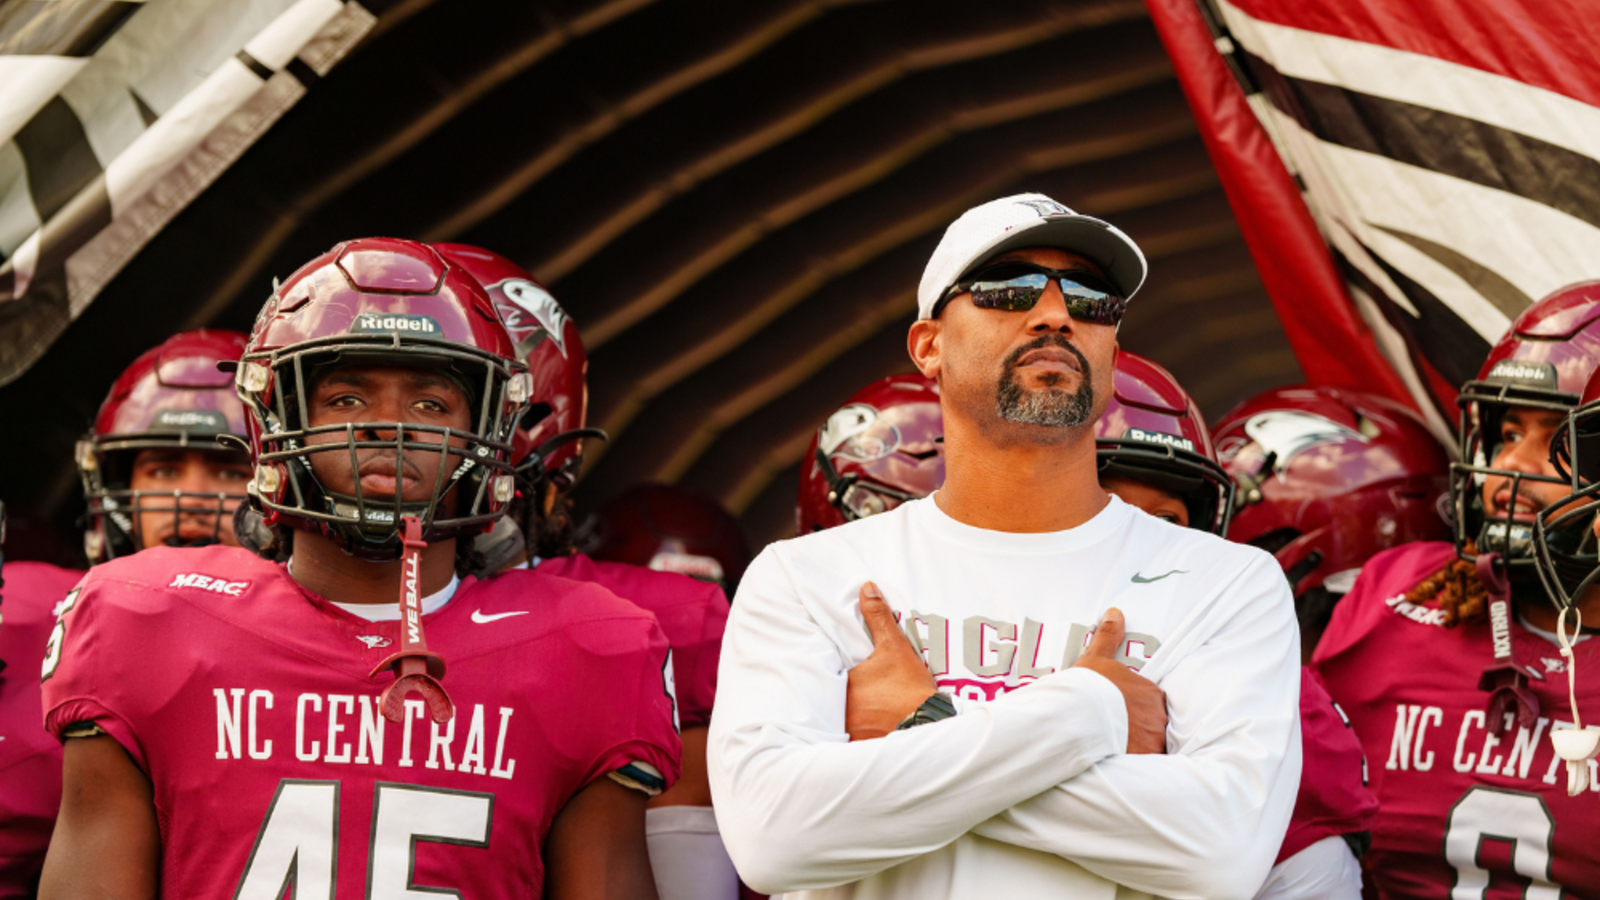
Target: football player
(1327,478)
(1445,656)
(670,529)
(165,463)
(1566,555)
(156,470)
(686,851)
(30,760)
(235,726)
(1155,453)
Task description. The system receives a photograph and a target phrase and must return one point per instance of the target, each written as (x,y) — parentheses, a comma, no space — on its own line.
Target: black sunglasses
(1017,286)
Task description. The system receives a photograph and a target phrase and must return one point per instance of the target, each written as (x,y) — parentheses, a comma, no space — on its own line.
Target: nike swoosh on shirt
(1139,579)
(479,617)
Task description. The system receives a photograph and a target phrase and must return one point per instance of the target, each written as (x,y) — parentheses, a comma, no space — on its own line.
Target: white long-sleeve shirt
(1024,793)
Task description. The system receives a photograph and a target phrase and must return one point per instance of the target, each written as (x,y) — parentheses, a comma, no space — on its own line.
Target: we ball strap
(1504,679)
(417,669)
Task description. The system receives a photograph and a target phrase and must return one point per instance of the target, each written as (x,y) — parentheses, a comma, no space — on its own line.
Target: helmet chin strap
(532,468)
(1504,679)
(417,669)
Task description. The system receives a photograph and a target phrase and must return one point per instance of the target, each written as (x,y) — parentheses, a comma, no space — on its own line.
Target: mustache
(1522,493)
(1041,342)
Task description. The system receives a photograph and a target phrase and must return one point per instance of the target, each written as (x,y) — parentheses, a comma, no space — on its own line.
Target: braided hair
(1462,596)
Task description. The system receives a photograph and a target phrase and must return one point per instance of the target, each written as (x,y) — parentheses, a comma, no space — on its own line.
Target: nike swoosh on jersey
(1139,579)
(479,617)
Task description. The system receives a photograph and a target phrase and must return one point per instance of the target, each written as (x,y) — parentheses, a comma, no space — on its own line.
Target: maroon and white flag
(115,115)
(1447,151)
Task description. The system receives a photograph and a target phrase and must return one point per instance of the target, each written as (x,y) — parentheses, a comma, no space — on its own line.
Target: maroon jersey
(693,614)
(248,702)
(1464,811)
(1333,798)
(30,758)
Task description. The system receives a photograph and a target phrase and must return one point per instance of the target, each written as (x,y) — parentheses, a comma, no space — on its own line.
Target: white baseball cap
(1026,220)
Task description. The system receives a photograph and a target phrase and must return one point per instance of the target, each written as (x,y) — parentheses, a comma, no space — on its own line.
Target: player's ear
(925,344)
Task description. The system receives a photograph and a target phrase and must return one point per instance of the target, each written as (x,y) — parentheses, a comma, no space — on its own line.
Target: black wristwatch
(934,709)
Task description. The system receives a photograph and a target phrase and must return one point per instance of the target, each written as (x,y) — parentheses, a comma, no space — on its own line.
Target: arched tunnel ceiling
(734,200)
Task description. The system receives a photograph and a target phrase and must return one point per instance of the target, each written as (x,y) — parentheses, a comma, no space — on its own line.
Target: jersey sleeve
(1333,799)
(630,704)
(695,661)
(89,670)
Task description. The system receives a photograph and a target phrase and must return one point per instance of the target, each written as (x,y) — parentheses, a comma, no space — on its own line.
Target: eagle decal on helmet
(1283,434)
(858,432)
(530,301)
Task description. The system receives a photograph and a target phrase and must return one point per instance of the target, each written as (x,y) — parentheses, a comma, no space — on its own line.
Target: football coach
(1019,686)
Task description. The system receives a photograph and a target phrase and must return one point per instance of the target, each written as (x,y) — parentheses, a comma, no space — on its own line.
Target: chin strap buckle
(417,669)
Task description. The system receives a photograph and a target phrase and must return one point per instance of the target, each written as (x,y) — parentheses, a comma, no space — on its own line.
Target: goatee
(1049,405)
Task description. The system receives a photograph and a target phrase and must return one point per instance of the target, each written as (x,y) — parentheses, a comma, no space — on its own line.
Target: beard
(1050,405)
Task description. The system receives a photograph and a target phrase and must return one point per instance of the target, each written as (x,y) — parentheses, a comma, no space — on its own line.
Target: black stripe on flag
(1496,288)
(1444,338)
(301,70)
(58,156)
(1442,142)
(60,27)
(254,65)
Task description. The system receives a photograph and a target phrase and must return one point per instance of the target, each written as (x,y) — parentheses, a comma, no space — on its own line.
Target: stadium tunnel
(735,201)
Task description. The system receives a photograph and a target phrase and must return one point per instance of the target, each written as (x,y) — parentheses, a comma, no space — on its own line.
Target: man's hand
(1147,704)
(891,683)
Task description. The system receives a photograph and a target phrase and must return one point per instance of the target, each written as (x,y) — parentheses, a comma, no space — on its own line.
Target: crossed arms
(801,806)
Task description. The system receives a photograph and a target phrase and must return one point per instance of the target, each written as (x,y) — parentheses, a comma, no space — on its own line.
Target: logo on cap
(1046,207)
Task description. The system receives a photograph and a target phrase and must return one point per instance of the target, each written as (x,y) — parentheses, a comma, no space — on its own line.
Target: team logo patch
(202,420)
(374,641)
(1523,374)
(385,323)
(531,315)
(208,583)
(1157,437)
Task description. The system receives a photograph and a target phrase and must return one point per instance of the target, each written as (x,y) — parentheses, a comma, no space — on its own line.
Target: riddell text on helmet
(370,322)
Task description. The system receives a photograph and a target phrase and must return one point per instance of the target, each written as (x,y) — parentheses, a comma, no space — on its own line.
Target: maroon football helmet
(885,446)
(1564,544)
(1152,432)
(173,396)
(1328,477)
(549,440)
(380,302)
(670,529)
(1543,362)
